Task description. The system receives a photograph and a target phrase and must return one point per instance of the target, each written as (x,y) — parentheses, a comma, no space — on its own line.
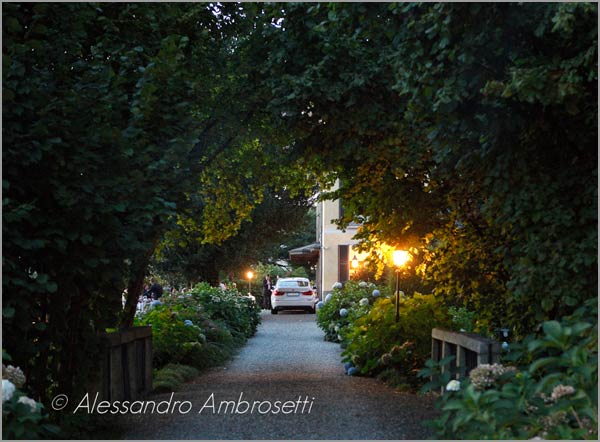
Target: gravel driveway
(287,360)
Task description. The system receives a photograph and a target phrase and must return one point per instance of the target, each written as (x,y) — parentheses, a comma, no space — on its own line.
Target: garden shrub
(552,393)
(378,345)
(201,328)
(347,297)
(22,417)
(361,316)
(169,335)
(239,313)
(462,319)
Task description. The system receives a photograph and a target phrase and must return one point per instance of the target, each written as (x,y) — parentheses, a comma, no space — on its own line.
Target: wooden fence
(469,349)
(126,372)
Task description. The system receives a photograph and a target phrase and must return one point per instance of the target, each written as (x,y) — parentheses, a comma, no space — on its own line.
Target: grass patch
(171,376)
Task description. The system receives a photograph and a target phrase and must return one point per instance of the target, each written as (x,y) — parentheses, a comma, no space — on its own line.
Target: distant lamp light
(355,262)
(249,275)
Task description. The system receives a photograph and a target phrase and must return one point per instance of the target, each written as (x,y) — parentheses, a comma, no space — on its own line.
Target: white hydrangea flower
(363,302)
(8,389)
(453,385)
(362,284)
(337,285)
(28,401)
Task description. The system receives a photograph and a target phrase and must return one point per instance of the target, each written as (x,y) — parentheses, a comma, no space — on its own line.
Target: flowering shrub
(553,394)
(201,328)
(379,346)
(343,306)
(170,334)
(22,416)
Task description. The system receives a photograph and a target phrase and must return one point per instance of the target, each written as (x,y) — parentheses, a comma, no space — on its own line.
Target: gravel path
(288,360)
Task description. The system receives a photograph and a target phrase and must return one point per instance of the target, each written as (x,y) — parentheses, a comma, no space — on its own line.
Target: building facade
(332,252)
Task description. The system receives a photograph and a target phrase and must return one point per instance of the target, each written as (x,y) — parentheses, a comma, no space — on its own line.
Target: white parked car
(293,294)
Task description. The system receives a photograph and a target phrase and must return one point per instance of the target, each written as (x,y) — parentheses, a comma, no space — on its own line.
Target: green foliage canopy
(117,117)
(463,130)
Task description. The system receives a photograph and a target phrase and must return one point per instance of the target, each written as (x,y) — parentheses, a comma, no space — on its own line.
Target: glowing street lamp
(354,263)
(400,258)
(249,275)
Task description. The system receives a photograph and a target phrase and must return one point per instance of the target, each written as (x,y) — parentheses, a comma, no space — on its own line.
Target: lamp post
(400,257)
(354,264)
(249,275)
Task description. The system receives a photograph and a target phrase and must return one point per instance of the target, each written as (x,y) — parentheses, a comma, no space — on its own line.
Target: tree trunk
(135,288)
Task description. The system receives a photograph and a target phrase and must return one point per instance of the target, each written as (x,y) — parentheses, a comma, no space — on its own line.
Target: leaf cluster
(553,395)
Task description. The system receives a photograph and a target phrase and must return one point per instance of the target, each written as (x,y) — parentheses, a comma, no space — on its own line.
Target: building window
(343,263)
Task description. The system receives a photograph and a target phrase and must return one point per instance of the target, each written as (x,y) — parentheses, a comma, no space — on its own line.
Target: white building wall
(330,237)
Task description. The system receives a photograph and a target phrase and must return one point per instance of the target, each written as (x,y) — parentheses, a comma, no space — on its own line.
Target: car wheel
(274,311)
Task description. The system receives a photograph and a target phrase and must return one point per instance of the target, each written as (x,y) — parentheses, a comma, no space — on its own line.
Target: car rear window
(292,283)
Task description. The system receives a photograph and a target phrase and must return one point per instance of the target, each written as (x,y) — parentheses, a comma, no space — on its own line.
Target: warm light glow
(354,262)
(249,275)
(400,257)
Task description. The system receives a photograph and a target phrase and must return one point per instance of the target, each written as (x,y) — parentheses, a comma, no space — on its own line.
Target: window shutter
(343,268)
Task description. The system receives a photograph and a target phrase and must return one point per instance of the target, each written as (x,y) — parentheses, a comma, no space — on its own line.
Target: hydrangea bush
(343,307)
(201,328)
(22,416)
(395,351)
(549,390)
(361,317)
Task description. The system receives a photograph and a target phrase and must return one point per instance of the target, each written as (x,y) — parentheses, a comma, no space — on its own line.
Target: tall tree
(115,117)
(279,218)
(466,131)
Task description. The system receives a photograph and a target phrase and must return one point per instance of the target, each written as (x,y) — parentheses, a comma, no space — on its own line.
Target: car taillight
(278,293)
(307,293)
